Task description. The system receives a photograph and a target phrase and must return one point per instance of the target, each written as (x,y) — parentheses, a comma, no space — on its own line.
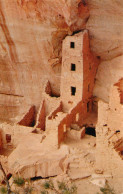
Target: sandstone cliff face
(31,34)
(30,46)
(105,25)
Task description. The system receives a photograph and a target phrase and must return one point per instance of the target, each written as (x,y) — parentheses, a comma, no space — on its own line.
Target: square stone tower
(78,70)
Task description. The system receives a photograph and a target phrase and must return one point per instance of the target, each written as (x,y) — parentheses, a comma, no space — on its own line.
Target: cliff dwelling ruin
(61,103)
(64,116)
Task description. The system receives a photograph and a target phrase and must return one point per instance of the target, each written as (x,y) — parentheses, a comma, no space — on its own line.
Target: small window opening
(8,138)
(72,45)
(88,106)
(90,131)
(98,57)
(73,91)
(118,131)
(73,67)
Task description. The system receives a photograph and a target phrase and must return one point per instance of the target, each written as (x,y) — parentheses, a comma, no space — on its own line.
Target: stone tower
(78,70)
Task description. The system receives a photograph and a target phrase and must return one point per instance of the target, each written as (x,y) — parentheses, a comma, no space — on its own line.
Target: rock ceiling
(31,34)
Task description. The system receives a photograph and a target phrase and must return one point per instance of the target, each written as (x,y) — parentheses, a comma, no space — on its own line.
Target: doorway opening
(90,131)
(73,91)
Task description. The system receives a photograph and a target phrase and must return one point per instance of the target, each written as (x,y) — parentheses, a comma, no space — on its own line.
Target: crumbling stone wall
(50,103)
(40,120)
(54,113)
(76,115)
(108,160)
(115,113)
(14,132)
(53,120)
(79,68)
(109,131)
(120,89)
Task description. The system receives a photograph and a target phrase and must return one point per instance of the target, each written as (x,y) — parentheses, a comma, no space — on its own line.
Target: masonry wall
(120,89)
(75,116)
(115,113)
(108,159)
(50,103)
(90,65)
(110,120)
(54,113)
(41,117)
(15,131)
(83,77)
(72,78)
(52,124)
(101,138)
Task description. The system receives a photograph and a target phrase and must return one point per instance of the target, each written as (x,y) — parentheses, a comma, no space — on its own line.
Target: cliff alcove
(61,68)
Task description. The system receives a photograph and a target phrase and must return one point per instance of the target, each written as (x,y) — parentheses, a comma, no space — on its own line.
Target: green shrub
(107,189)
(19,181)
(73,189)
(44,192)
(61,186)
(3,190)
(48,185)
(28,190)
(65,189)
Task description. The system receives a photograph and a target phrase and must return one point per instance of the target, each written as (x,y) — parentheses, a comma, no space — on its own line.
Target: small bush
(65,189)
(28,190)
(107,189)
(44,192)
(61,186)
(73,189)
(3,190)
(48,185)
(19,181)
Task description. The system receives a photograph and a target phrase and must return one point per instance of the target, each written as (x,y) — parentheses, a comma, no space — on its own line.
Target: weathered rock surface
(106,28)
(109,72)
(105,25)
(31,36)
(32,158)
